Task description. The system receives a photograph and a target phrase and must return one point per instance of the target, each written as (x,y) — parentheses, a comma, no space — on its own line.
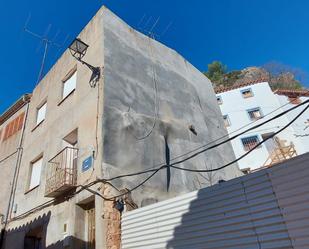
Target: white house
(249,104)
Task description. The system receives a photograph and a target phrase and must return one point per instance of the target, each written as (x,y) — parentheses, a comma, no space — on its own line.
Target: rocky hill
(277,78)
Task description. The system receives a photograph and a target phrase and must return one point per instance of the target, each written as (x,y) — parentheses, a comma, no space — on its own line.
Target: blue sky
(239,33)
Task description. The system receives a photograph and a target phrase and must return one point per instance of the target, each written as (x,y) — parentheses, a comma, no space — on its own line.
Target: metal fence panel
(264,210)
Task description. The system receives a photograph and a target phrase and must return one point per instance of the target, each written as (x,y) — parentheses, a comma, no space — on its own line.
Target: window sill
(66,97)
(30,190)
(37,125)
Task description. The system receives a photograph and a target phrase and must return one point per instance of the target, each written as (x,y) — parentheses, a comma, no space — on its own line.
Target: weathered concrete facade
(152,95)
(136,117)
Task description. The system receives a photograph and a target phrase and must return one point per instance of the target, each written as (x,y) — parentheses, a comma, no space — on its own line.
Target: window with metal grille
(255,113)
(246,93)
(250,142)
(219,100)
(226,120)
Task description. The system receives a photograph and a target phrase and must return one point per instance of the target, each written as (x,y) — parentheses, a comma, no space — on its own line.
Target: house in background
(245,105)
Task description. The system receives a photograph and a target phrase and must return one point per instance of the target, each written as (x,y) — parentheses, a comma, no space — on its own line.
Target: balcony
(61,173)
(280,152)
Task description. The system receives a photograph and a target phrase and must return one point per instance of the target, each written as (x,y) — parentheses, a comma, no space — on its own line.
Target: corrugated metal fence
(266,209)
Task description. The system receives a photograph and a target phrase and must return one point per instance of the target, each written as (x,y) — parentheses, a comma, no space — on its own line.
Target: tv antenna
(148,25)
(46,42)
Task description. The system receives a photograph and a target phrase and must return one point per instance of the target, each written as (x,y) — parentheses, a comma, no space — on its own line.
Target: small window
(69,85)
(255,114)
(247,93)
(41,111)
(219,100)
(226,120)
(250,142)
(35,175)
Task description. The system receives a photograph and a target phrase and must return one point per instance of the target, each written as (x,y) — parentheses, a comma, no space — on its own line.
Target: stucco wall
(8,147)
(151,93)
(300,126)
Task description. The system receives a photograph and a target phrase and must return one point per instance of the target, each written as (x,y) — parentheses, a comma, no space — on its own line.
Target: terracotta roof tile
(239,85)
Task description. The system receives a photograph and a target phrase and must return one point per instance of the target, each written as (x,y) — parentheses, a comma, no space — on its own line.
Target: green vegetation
(277,74)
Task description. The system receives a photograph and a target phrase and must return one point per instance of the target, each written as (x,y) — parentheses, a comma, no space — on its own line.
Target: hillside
(219,76)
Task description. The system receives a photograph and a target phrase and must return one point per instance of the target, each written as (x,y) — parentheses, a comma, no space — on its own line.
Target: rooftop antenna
(45,41)
(141,21)
(166,29)
(146,21)
(151,33)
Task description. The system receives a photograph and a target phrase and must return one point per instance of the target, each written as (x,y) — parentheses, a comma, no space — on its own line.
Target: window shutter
(41,114)
(35,173)
(69,85)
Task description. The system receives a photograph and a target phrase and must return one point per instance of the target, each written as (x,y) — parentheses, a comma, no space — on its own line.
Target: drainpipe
(16,173)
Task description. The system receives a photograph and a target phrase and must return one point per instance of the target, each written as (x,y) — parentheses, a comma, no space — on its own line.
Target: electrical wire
(204,150)
(211,170)
(172,165)
(196,154)
(242,156)
(218,139)
(156,103)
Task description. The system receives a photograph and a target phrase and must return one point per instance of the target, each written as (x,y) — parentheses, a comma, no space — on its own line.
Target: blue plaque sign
(87,164)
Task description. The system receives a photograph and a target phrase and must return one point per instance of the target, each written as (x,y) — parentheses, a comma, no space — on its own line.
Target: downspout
(15,176)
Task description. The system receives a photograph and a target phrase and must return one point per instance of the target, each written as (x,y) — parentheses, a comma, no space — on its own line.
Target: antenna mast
(44,40)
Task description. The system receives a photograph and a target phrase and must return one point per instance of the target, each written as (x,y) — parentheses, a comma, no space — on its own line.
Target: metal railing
(280,153)
(61,172)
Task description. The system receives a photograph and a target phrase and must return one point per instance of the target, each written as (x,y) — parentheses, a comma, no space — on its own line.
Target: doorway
(91,228)
(271,143)
(33,239)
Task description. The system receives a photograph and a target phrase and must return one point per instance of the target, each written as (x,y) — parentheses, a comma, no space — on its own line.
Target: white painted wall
(235,106)
(301,125)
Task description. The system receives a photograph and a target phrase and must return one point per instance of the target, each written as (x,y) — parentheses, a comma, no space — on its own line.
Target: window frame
(70,74)
(250,137)
(219,100)
(29,187)
(255,109)
(245,90)
(37,122)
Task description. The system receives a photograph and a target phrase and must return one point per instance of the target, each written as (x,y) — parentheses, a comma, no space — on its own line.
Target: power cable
(218,139)
(156,108)
(242,156)
(155,171)
(206,149)
(196,154)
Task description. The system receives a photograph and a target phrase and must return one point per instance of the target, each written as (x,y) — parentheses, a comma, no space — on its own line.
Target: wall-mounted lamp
(78,49)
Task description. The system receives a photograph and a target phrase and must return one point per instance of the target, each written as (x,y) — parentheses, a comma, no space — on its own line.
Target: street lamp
(78,50)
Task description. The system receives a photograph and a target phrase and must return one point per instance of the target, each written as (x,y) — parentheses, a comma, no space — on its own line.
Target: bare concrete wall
(152,95)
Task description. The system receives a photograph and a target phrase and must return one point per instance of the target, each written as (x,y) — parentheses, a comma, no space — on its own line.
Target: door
(271,143)
(91,228)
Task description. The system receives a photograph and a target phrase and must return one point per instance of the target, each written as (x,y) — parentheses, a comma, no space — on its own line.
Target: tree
(216,71)
(284,76)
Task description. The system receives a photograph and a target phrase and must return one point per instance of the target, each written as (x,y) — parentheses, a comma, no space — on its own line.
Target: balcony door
(70,144)
(271,143)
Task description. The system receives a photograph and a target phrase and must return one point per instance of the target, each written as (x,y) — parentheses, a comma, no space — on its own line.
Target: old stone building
(148,106)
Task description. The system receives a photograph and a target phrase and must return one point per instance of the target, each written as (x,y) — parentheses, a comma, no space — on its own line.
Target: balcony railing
(280,153)
(61,172)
